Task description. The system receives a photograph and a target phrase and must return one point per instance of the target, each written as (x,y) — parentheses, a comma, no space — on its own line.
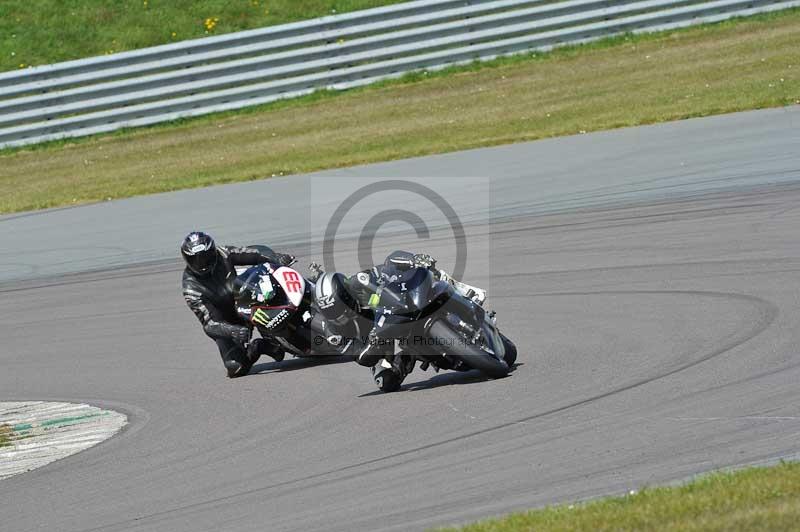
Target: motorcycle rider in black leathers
(365,284)
(208,290)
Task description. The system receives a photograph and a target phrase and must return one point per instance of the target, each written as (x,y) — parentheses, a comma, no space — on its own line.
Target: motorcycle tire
(511,351)
(388,381)
(469,354)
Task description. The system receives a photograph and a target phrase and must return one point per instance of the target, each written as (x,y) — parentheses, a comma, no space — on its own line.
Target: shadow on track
(451,378)
(294,364)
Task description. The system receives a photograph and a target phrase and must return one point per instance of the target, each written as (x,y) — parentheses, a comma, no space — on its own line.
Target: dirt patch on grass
(5,435)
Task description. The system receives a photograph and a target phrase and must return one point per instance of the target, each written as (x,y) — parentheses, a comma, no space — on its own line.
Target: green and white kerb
(42,432)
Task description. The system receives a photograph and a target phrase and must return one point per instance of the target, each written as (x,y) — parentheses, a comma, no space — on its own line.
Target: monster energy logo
(262,318)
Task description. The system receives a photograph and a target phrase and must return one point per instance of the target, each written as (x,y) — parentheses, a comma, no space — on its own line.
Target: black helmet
(397,262)
(199,252)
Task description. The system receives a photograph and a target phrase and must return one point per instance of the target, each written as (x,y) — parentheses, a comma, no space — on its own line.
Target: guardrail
(236,70)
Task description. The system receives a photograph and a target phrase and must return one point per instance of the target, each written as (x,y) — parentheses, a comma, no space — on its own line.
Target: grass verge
(48,31)
(737,65)
(766,498)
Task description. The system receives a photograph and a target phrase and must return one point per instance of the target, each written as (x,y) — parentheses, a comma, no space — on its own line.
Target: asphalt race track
(649,277)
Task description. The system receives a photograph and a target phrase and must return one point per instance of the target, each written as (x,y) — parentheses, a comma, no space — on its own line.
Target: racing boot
(236,362)
(264,346)
(389,375)
(375,349)
(369,355)
(237,368)
(234,358)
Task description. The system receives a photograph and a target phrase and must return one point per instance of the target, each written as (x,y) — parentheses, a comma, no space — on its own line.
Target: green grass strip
(5,436)
(56,423)
(49,31)
(764,498)
(742,64)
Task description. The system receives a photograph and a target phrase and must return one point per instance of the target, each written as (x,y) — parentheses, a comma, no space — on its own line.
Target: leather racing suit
(211,298)
(363,286)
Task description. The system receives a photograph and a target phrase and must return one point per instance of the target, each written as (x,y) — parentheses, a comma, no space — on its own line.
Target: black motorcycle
(434,324)
(279,302)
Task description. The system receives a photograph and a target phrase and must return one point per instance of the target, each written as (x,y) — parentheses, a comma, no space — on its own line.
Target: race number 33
(292,281)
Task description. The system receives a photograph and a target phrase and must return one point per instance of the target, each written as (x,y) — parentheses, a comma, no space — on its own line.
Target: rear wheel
(470,354)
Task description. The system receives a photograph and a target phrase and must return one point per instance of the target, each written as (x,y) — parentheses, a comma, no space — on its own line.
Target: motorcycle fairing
(293,284)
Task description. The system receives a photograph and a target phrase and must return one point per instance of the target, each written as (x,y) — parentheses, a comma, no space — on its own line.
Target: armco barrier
(236,70)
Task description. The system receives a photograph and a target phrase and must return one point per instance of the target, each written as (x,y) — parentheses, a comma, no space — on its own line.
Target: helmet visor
(203,261)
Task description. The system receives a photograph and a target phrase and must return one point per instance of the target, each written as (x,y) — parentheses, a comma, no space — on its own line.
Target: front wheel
(386,379)
(470,354)
(511,351)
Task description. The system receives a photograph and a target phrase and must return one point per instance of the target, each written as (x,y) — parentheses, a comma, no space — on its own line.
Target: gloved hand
(316,271)
(284,259)
(423,260)
(240,334)
(220,330)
